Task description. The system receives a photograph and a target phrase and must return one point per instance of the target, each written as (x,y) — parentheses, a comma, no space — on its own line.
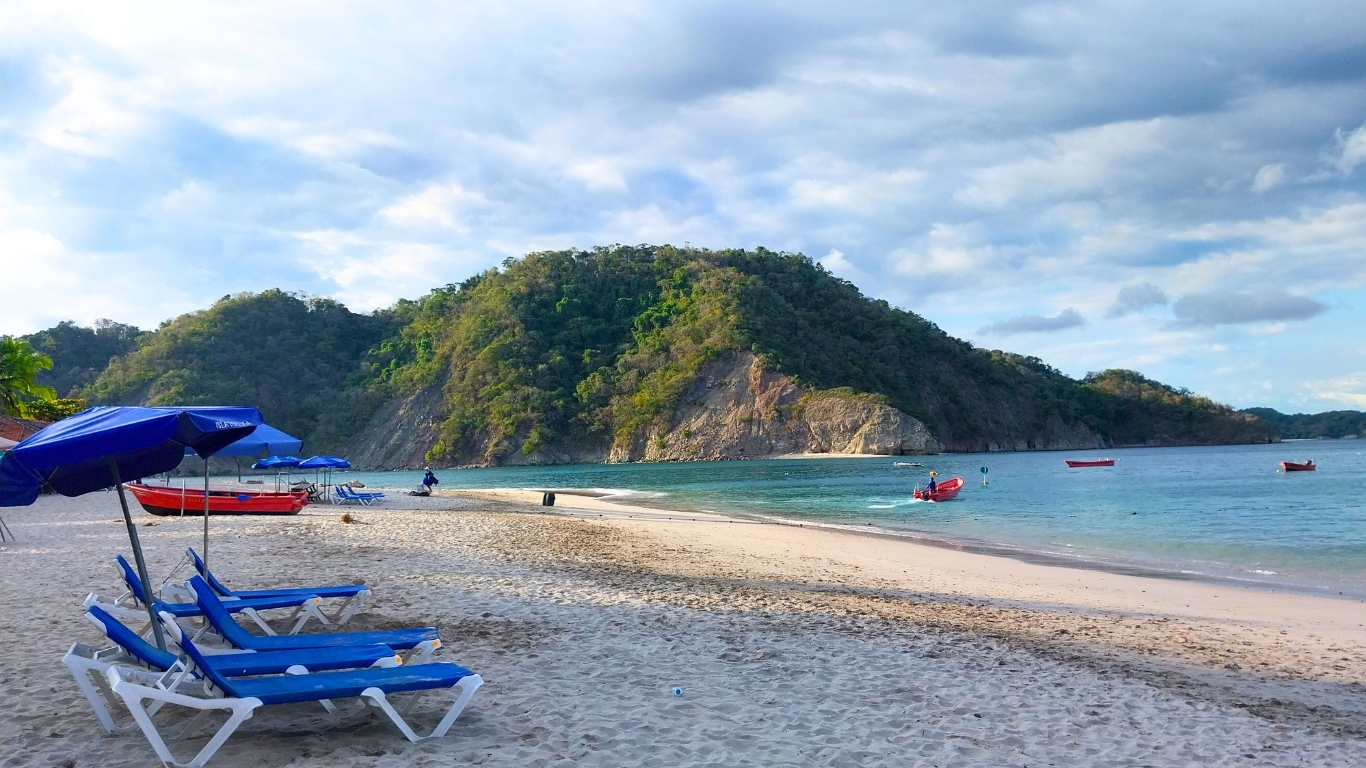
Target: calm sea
(1218,511)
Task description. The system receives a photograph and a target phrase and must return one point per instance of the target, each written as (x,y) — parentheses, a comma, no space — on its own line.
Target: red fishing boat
(164,500)
(942,491)
(1293,466)
(1096,463)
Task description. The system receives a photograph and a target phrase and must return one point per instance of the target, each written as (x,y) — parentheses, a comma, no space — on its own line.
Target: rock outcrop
(737,409)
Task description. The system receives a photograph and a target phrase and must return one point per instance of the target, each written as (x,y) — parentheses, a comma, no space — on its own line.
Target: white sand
(792,646)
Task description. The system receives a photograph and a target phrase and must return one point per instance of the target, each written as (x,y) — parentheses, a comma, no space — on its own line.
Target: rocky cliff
(735,409)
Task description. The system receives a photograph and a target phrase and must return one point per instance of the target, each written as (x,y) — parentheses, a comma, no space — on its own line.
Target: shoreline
(1259,616)
(1082,560)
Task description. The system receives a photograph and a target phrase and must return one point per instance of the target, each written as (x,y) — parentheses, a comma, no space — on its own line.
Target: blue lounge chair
(345,493)
(355,594)
(423,640)
(90,666)
(240,697)
(306,606)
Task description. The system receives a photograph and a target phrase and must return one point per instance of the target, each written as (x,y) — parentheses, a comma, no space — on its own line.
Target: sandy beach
(791,646)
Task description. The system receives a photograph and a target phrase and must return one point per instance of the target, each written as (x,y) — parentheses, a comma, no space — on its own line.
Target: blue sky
(1174,187)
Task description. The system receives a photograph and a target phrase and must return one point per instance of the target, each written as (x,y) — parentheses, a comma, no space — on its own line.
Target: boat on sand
(1095,463)
(166,501)
(1295,466)
(942,491)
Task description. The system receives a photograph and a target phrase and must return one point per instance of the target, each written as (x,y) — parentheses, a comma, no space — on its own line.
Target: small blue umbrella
(98,447)
(275,462)
(324,463)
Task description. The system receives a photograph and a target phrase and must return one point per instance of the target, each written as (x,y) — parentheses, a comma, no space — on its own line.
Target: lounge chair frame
(143,700)
(341,615)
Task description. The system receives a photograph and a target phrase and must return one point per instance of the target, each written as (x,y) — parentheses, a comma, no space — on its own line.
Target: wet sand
(791,645)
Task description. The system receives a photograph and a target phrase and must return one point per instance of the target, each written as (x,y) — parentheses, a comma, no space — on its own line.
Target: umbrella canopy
(275,462)
(324,462)
(73,455)
(266,439)
(98,447)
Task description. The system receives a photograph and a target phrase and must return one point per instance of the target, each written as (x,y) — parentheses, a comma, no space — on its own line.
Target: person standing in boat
(929,489)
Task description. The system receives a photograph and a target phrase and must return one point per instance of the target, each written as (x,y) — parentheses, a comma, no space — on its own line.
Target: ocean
(1222,512)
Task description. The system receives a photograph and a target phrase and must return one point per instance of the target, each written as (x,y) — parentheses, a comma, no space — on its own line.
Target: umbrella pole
(206,517)
(137,556)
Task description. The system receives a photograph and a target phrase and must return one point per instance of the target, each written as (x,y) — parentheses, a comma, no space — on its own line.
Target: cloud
(1268,176)
(1349,389)
(1352,150)
(1231,307)
(1068,318)
(438,205)
(1135,298)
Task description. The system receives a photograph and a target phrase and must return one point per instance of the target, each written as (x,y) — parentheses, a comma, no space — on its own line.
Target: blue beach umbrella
(266,439)
(325,463)
(276,463)
(97,448)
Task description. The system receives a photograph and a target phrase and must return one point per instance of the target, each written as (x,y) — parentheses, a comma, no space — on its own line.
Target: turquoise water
(1222,510)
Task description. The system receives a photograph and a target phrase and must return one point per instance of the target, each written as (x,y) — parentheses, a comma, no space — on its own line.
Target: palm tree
(19,367)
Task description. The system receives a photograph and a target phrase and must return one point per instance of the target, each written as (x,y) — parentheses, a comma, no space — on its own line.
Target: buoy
(678,691)
(984,475)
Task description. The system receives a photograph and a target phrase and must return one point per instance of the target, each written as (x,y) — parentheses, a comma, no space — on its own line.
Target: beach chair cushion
(242,664)
(218,616)
(327,685)
(346,590)
(187,610)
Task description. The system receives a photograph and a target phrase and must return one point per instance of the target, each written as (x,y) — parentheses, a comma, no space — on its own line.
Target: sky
(1173,187)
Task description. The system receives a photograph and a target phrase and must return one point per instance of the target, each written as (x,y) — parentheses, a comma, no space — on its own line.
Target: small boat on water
(167,501)
(905,463)
(1294,466)
(1096,463)
(942,491)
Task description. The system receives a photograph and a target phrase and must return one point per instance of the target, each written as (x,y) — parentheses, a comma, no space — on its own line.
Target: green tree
(20,365)
(79,355)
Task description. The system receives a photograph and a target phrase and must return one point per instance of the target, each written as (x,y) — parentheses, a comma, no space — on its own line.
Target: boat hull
(1293,466)
(166,501)
(1096,463)
(943,491)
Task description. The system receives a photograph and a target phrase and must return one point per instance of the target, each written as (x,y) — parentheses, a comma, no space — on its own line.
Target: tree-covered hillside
(297,359)
(572,353)
(573,348)
(1311,426)
(79,355)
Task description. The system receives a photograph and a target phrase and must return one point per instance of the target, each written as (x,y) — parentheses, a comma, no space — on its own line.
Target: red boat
(1096,463)
(163,500)
(942,491)
(1291,466)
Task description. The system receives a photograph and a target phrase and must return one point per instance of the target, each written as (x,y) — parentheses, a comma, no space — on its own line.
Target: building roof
(15,429)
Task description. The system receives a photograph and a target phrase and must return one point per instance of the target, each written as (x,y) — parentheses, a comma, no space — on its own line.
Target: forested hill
(1335,424)
(79,355)
(297,359)
(630,353)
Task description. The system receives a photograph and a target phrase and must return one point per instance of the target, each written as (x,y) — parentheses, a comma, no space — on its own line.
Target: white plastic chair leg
(134,695)
(467,686)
